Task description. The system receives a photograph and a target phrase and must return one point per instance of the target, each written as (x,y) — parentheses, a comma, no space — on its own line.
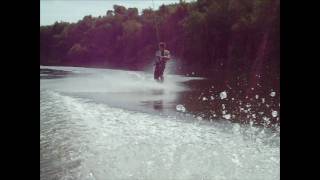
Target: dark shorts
(159,69)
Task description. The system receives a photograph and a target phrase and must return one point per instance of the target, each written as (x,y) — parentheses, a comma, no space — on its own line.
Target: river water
(112,124)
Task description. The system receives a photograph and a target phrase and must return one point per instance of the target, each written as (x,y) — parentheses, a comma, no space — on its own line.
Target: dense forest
(232,41)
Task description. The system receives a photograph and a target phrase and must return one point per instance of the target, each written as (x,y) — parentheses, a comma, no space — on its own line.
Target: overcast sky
(74,10)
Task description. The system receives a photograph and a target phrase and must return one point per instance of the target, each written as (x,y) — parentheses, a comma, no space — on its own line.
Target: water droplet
(181,108)
(273,94)
(274,113)
(223,95)
(227,116)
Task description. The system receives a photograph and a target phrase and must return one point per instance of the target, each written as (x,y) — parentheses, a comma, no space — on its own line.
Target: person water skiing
(162,56)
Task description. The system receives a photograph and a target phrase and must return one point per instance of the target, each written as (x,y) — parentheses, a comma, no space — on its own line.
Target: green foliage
(132,12)
(119,10)
(77,51)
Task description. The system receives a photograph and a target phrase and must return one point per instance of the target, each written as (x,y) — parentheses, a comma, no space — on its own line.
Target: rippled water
(84,138)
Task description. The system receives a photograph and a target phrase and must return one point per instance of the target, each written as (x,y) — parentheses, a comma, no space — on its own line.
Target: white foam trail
(84,140)
(107,80)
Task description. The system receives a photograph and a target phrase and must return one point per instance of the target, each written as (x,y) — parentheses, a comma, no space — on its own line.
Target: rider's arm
(166,55)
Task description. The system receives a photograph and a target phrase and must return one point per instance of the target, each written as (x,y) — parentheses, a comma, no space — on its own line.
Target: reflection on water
(158,92)
(53,74)
(158,105)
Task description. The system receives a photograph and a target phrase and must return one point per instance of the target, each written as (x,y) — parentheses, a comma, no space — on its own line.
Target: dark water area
(257,106)
(53,74)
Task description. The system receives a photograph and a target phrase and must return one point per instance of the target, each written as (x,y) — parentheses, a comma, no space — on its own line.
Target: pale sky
(74,10)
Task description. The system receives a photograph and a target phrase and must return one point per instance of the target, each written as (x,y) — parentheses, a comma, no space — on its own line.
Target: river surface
(113,124)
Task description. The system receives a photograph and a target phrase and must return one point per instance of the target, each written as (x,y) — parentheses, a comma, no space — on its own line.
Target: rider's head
(162,46)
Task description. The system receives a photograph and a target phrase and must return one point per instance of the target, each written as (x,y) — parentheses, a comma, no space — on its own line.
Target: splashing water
(82,138)
(274,113)
(273,94)
(204,99)
(223,95)
(181,108)
(227,116)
